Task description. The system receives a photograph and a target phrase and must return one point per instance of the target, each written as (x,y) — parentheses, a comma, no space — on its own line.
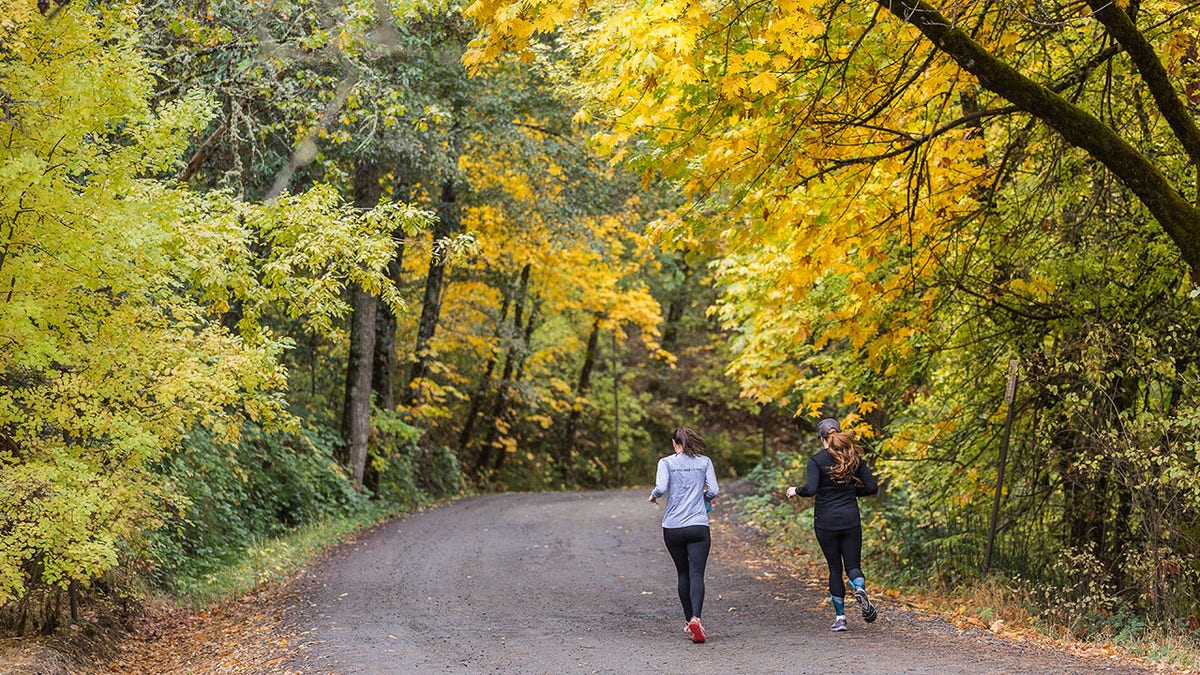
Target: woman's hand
(791,492)
(653,500)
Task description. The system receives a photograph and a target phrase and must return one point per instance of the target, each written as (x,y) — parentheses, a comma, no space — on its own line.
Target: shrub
(403,472)
(221,497)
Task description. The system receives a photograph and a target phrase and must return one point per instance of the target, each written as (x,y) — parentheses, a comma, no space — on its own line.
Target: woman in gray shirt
(689,482)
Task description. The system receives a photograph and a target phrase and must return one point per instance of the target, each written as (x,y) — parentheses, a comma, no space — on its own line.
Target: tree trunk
(678,303)
(526,341)
(480,393)
(384,373)
(356,413)
(73,598)
(518,356)
(585,376)
(447,222)
(485,453)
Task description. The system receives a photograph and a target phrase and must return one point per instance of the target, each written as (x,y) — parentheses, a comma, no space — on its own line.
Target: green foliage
(404,473)
(102,363)
(307,90)
(787,523)
(592,461)
(1078,593)
(232,500)
(133,309)
(226,496)
(292,257)
(439,473)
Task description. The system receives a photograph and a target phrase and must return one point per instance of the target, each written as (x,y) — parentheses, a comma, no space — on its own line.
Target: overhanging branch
(1179,219)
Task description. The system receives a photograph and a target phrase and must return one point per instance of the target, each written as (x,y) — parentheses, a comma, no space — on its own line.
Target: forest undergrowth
(1011,606)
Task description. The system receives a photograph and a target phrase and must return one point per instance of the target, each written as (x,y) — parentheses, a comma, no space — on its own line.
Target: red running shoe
(697,630)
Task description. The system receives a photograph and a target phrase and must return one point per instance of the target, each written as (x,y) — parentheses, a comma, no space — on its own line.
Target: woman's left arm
(710,478)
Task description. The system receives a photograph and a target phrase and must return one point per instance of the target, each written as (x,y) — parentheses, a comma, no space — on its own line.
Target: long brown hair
(846,456)
(691,441)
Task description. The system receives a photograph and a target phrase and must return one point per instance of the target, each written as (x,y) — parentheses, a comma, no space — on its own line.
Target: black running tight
(688,547)
(841,546)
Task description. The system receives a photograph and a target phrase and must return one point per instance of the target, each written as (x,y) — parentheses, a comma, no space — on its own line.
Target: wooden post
(762,426)
(1009,394)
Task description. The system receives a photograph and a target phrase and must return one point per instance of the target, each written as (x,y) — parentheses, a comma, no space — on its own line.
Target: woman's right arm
(710,479)
(812,479)
(662,479)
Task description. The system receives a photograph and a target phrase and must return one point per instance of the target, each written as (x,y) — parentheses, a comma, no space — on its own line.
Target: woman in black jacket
(837,476)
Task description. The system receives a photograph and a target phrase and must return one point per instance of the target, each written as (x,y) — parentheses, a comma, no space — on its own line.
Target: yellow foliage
(114,318)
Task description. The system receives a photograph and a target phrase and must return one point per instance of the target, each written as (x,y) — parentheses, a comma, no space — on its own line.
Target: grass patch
(274,559)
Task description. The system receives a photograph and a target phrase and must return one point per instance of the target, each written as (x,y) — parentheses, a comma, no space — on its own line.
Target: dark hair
(691,441)
(846,457)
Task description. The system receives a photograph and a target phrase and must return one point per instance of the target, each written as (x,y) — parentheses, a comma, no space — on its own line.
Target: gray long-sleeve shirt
(683,479)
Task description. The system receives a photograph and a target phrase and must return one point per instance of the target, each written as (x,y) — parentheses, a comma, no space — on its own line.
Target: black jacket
(836,506)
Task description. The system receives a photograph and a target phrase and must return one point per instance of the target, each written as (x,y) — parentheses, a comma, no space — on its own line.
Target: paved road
(581,583)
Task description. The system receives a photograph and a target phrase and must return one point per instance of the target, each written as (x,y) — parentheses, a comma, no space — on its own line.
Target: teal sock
(839,605)
(858,583)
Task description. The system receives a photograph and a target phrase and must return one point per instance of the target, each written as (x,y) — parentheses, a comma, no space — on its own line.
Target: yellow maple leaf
(764,83)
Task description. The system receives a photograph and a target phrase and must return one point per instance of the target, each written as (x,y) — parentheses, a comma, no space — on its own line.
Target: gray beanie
(827,425)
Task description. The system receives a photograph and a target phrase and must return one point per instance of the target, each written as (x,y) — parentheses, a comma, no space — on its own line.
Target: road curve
(581,583)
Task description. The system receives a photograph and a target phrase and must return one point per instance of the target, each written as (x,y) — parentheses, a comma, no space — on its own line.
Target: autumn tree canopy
(905,196)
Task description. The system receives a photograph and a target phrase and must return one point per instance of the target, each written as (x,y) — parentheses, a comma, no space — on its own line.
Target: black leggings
(688,547)
(841,546)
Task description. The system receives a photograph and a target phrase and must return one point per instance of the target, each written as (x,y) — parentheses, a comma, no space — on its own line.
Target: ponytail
(846,457)
(691,441)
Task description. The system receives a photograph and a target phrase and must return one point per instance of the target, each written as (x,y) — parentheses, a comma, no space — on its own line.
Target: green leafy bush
(226,496)
(403,472)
